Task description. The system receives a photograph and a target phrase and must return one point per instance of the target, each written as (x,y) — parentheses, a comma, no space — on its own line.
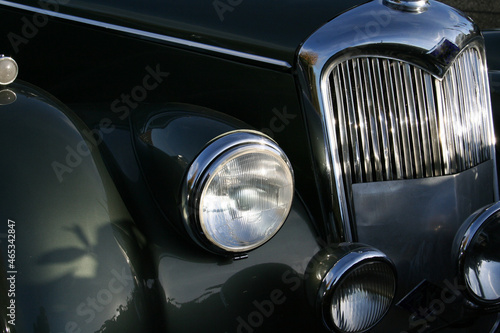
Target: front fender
(65,234)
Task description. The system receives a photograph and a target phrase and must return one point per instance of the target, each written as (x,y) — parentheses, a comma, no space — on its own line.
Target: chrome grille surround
(429,43)
(393,120)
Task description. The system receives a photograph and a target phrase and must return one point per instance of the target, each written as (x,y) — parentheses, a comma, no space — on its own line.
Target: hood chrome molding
(374,30)
(153,36)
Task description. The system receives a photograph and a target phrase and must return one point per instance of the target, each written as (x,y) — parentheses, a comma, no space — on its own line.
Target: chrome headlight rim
(205,167)
(466,240)
(355,256)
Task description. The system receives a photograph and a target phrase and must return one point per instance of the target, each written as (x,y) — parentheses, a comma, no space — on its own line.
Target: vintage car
(247,166)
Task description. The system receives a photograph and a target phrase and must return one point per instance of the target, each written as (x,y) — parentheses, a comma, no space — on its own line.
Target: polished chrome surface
(478,255)
(389,70)
(431,210)
(355,258)
(203,168)
(150,35)
(363,297)
(8,70)
(408,5)
(414,222)
(403,123)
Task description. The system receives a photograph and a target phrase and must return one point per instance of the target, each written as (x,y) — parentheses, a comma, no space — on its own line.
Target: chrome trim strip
(424,123)
(351,118)
(403,120)
(377,164)
(362,120)
(342,120)
(152,35)
(415,137)
(395,130)
(433,124)
(384,129)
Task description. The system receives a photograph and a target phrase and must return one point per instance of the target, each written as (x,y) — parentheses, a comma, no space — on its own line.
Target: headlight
(479,256)
(238,193)
(352,287)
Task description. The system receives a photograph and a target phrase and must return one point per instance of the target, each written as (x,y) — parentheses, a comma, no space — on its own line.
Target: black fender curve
(66,237)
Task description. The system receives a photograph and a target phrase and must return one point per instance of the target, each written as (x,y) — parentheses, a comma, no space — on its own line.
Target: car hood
(271,29)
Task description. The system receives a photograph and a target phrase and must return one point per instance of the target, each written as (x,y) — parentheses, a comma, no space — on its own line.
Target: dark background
(486,13)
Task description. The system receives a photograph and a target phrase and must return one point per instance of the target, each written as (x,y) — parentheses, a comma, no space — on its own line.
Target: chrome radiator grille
(393,120)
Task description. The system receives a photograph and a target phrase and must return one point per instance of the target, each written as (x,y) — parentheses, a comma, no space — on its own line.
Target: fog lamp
(479,255)
(8,70)
(357,285)
(238,193)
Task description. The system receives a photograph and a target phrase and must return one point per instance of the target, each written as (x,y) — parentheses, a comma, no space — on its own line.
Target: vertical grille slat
(433,125)
(370,108)
(342,122)
(382,120)
(396,121)
(449,100)
(403,121)
(413,121)
(352,123)
(464,105)
(363,122)
(474,122)
(424,123)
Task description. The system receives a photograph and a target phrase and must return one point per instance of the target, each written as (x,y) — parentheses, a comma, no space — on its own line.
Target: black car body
(234,166)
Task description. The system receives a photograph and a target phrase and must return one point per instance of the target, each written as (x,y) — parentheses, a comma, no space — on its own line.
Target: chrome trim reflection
(151,35)
(424,53)
(331,266)
(454,107)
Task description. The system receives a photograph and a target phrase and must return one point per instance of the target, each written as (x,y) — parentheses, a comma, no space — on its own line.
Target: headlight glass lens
(246,199)
(363,297)
(482,262)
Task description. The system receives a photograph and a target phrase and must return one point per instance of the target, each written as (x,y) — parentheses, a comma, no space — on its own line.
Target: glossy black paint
(170,139)
(492,40)
(223,294)
(73,235)
(95,80)
(256,27)
(99,83)
(189,289)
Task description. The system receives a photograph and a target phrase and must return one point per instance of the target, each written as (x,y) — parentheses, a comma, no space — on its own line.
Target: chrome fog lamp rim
(467,238)
(206,166)
(342,270)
